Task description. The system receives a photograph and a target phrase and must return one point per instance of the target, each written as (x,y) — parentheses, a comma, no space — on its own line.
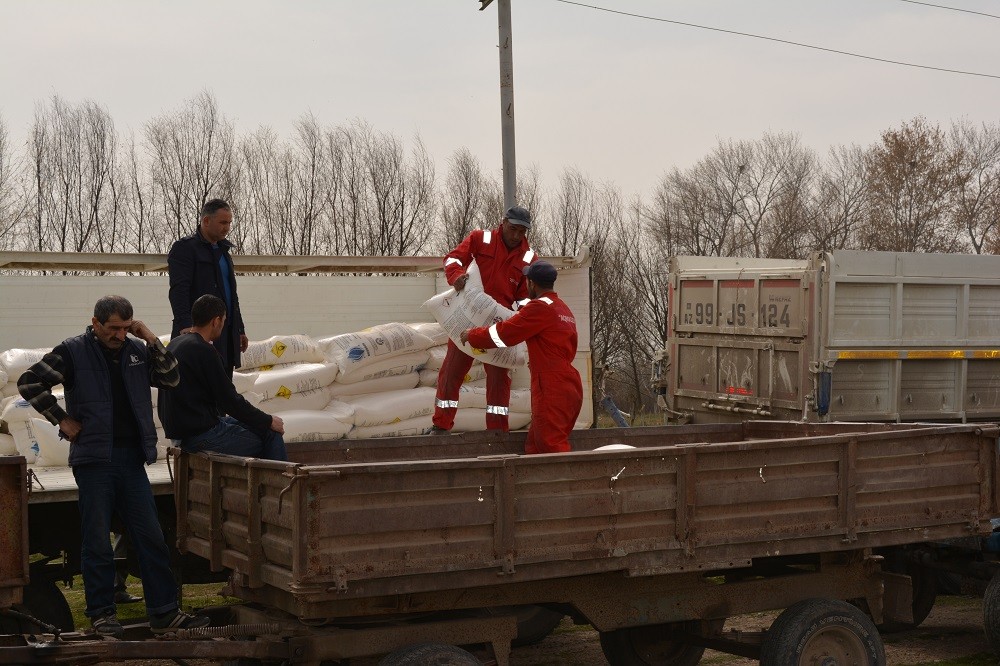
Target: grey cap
(519,216)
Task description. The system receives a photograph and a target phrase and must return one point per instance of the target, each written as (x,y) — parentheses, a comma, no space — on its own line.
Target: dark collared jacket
(194,272)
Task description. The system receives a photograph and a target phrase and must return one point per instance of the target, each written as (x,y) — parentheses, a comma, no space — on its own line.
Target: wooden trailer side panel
(391,528)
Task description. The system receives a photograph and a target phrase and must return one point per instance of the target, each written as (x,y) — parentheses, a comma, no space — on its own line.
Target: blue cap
(541,272)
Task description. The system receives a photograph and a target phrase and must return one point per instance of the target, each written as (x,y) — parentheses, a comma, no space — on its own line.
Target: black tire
(816,630)
(430,654)
(991,614)
(42,600)
(650,645)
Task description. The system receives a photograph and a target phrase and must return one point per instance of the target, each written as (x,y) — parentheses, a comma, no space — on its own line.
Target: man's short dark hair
(112,305)
(213,206)
(207,308)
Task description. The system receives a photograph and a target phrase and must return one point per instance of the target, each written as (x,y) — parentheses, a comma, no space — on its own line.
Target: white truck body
(842,336)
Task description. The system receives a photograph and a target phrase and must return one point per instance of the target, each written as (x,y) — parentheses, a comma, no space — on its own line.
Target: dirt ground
(953,631)
(952,635)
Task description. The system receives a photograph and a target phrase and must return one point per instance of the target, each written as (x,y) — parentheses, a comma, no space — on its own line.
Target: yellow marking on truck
(867,354)
(935,353)
(892,354)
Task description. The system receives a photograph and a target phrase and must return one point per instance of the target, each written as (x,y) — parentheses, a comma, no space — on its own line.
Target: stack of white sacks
(379,382)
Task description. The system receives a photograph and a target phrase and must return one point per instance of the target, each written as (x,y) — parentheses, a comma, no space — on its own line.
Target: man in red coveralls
(501,254)
(548,327)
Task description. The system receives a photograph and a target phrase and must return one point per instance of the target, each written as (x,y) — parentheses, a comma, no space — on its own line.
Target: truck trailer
(842,336)
(409,547)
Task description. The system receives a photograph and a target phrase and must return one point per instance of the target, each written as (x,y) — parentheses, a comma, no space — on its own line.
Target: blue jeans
(230,436)
(121,486)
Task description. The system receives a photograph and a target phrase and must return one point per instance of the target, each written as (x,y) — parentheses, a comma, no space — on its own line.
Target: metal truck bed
(352,520)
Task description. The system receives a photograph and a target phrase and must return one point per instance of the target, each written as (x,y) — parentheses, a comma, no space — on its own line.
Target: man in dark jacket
(194,415)
(200,264)
(108,421)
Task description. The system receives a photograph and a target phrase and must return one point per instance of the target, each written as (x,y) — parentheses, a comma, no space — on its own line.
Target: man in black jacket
(200,264)
(195,413)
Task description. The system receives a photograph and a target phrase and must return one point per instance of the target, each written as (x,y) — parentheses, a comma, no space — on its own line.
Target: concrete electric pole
(506,100)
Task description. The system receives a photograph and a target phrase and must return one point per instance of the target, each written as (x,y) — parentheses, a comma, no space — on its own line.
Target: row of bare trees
(77,184)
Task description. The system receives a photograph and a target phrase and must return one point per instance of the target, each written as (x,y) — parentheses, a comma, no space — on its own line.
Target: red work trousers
(453,371)
(556,399)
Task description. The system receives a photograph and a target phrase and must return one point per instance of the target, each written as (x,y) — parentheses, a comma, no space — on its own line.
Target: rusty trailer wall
(13,529)
(310,538)
(843,336)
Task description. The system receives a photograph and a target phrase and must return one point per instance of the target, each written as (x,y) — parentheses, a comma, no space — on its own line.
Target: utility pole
(506,100)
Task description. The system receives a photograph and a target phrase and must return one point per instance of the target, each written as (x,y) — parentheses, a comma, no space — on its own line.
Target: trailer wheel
(649,645)
(430,654)
(991,613)
(43,600)
(820,631)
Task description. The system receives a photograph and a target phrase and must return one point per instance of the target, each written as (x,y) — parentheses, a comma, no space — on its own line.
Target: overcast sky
(622,99)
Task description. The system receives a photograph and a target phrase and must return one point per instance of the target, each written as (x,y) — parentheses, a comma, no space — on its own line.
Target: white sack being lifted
(471,308)
(281,349)
(353,351)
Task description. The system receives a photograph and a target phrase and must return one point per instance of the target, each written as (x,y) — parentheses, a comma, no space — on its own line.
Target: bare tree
(193,154)
(977,200)
(12,201)
(841,201)
(913,179)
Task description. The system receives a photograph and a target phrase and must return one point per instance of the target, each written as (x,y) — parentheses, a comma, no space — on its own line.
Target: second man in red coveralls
(501,255)
(549,328)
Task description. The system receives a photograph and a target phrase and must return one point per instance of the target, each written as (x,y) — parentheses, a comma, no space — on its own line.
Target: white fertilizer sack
(243,381)
(415,426)
(436,358)
(433,331)
(313,426)
(14,362)
(379,385)
(341,411)
(19,410)
(52,451)
(281,349)
(353,351)
(475,397)
(25,440)
(392,406)
(314,399)
(473,420)
(396,365)
(294,378)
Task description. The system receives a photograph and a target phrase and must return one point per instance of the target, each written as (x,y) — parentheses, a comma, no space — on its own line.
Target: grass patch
(195,596)
(974,660)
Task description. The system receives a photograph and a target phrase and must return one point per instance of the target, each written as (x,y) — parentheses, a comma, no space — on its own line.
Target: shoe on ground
(124,597)
(107,625)
(434,430)
(165,624)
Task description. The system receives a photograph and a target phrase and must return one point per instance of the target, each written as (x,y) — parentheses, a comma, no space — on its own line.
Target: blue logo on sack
(34,447)
(356,353)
